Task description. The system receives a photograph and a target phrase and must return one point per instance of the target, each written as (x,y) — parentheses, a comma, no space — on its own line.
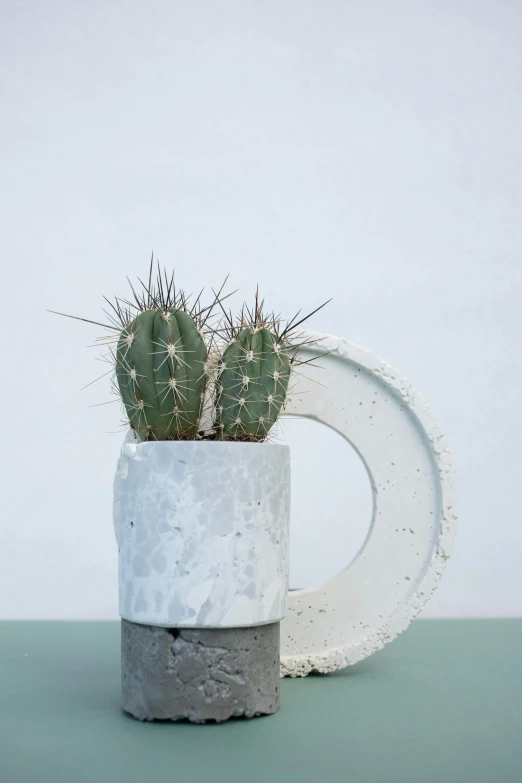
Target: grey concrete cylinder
(200,675)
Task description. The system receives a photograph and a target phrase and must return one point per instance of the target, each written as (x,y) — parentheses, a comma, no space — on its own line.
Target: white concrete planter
(203,531)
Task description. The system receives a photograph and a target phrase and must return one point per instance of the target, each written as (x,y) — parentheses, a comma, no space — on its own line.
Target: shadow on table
(369,666)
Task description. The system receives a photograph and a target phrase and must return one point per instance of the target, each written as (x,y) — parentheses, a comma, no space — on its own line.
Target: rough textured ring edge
(341,656)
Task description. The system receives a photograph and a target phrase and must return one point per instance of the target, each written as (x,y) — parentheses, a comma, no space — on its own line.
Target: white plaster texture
(202,530)
(414,516)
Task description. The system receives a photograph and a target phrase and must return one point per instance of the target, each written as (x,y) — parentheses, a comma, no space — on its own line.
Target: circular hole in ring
(331,506)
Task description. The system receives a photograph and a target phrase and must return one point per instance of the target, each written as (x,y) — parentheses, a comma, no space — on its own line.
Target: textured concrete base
(200,675)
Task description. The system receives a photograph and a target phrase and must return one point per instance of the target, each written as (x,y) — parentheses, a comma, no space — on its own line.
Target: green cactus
(252,384)
(175,379)
(160,370)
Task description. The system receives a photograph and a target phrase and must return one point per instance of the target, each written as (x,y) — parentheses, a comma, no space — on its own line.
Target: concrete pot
(202,529)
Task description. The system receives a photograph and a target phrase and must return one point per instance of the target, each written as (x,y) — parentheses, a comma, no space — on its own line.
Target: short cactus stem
(253,384)
(160,374)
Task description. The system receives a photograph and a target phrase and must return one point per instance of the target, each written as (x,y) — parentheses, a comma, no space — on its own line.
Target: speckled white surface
(202,531)
(414,516)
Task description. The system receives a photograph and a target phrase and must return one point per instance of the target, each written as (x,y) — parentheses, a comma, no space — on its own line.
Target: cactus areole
(160,369)
(252,385)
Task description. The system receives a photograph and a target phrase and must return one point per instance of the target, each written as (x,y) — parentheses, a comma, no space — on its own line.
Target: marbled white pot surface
(202,530)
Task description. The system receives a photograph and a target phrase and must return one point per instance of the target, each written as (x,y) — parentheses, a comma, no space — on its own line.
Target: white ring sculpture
(414,511)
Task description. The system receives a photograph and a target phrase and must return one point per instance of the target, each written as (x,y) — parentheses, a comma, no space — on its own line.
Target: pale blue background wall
(365,150)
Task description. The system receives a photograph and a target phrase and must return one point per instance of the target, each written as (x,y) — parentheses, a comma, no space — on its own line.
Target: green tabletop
(442,703)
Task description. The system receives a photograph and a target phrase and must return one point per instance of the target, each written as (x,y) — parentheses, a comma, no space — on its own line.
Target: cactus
(160,369)
(253,375)
(161,354)
(253,384)
(178,377)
